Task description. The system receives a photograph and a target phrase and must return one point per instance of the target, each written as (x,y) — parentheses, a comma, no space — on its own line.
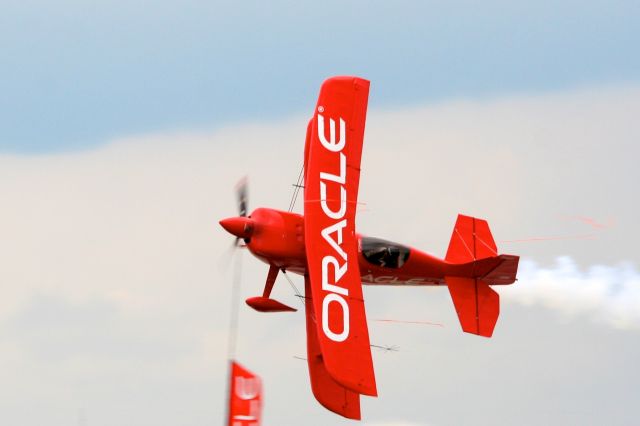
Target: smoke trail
(610,294)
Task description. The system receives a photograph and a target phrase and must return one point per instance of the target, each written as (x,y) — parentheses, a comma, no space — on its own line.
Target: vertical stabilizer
(471,240)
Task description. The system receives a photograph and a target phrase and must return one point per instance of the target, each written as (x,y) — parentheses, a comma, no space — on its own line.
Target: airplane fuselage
(278,239)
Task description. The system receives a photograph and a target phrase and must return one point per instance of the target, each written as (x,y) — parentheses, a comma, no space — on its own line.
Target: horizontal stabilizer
(477,305)
(504,272)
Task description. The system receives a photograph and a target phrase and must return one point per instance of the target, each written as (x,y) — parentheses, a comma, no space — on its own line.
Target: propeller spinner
(240,226)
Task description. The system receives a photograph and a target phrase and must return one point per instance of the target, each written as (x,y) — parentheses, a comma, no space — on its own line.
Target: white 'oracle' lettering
(325,208)
(336,337)
(247,387)
(335,292)
(338,272)
(331,144)
(341,178)
(335,228)
(367,278)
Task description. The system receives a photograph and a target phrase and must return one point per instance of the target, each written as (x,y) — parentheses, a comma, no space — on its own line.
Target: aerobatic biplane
(335,261)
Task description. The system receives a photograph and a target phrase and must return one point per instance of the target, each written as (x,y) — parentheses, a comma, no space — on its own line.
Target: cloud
(113,298)
(606,293)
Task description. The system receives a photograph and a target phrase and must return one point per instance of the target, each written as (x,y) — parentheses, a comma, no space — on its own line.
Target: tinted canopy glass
(384,253)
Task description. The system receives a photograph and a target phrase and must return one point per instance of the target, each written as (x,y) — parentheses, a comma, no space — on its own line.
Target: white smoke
(609,294)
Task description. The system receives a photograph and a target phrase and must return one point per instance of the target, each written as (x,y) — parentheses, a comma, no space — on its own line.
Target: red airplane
(335,261)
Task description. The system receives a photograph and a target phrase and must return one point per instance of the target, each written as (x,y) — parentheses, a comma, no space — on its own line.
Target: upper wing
(332,175)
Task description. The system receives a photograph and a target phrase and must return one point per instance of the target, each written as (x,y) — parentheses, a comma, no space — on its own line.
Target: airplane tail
(471,240)
(477,264)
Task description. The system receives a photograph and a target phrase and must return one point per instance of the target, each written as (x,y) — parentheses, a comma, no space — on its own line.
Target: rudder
(471,240)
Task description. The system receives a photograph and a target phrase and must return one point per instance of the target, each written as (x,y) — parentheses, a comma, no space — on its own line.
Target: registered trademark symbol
(320,109)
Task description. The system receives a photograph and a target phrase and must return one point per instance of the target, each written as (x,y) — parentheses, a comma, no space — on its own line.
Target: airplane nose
(241,227)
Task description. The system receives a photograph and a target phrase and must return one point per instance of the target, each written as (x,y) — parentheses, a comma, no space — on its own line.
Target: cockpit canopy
(384,253)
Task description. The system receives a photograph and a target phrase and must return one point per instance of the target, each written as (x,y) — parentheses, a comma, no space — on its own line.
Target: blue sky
(75,74)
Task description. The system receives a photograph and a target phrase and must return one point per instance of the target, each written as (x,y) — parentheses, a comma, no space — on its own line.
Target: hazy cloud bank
(113,300)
